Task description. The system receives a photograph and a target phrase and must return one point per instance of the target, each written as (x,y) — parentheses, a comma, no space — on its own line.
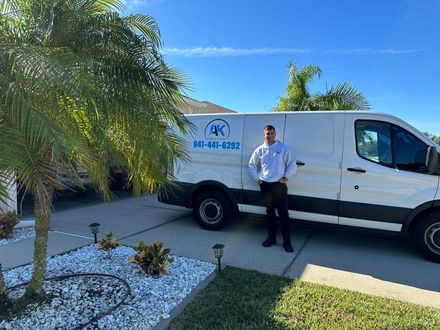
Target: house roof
(190,105)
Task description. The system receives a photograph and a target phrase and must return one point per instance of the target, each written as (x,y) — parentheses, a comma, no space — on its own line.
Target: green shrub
(153,259)
(7,223)
(108,244)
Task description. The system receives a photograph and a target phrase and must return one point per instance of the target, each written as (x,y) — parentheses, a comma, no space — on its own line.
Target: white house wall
(11,204)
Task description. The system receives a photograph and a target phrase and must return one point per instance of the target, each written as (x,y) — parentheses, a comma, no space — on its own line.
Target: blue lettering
(220,129)
(216,130)
(213,130)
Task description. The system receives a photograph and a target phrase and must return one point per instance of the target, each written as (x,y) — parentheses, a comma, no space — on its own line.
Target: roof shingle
(190,105)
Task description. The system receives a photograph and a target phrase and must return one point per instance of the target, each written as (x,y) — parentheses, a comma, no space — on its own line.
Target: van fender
(234,195)
(418,211)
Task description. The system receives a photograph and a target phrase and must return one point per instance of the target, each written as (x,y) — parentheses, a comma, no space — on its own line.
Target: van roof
(339,112)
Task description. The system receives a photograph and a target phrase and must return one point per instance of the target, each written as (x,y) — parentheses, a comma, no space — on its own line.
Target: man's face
(269,136)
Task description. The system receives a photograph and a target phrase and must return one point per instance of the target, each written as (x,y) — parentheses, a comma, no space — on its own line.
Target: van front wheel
(427,236)
(212,210)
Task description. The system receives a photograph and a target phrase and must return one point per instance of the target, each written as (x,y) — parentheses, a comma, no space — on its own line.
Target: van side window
(390,145)
(373,141)
(409,151)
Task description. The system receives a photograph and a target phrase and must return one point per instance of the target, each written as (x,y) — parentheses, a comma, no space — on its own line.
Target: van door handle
(300,163)
(356,169)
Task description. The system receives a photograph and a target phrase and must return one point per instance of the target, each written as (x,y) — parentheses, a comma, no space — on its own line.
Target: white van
(355,168)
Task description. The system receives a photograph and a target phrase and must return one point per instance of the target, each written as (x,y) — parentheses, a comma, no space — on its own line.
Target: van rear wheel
(427,236)
(212,209)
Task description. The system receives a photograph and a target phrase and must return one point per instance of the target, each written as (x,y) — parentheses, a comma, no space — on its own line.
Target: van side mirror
(432,160)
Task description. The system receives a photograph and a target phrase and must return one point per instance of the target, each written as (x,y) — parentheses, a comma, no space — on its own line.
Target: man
(271,164)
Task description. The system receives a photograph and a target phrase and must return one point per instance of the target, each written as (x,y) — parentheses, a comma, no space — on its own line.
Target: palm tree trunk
(43,203)
(3,295)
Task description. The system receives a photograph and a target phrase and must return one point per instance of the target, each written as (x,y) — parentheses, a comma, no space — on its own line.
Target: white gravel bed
(19,234)
(78,299)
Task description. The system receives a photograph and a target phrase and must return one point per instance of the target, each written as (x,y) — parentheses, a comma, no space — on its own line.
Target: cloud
(227,51)
(234,52)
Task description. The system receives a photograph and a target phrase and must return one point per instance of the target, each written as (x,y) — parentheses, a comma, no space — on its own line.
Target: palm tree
(342,97)
(4,302)
(83,87)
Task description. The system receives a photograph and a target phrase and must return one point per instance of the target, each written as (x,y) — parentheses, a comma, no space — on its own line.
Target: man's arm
(290,163)
(254,163)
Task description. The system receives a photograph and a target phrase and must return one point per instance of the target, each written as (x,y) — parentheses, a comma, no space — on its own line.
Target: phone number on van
(217,145)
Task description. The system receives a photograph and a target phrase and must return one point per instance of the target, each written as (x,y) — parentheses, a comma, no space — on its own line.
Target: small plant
(153,259)
(108,244)
(7,223)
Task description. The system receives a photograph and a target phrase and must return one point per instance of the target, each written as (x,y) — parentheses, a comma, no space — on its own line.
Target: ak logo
(217,129)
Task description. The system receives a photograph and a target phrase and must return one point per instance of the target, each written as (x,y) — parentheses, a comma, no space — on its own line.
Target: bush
(153,259)
(108,244)
(7,223)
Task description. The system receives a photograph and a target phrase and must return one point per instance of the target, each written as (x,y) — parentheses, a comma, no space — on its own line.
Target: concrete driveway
(375,263)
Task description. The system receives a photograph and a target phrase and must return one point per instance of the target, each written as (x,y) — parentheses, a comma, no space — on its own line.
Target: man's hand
(283,180)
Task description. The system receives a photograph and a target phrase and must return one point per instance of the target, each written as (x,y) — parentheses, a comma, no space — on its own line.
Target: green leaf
(341,97)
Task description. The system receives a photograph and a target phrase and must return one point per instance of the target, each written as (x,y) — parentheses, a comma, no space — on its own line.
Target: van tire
(426,236)
(212,209)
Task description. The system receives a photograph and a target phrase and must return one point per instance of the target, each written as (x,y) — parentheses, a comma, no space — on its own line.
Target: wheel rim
(432,237)
(211,211)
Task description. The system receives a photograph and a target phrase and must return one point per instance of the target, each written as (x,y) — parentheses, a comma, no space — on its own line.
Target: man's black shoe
(287,246)
(269,242)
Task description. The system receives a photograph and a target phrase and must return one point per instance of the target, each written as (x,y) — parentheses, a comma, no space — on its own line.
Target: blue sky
(235,53)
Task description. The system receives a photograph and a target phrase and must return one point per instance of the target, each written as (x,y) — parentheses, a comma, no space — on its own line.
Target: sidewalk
(21,252)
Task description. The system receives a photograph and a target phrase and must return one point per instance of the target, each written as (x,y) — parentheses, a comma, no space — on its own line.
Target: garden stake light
(94,229)
(218,253)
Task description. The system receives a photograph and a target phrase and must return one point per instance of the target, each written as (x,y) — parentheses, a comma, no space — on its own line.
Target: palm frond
(99,6)
(298,98)
(5,181)
(344,97)
(308,73)
(8,7)
(146,25)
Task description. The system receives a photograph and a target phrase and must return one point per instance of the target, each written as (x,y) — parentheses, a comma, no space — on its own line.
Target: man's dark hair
(269,128)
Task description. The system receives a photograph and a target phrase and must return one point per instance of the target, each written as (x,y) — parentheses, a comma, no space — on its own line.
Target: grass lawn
(242,299)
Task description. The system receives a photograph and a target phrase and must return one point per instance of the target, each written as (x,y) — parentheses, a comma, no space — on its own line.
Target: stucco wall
(11,204)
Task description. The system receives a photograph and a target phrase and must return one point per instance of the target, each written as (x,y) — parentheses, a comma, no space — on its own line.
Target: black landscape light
(94,229)
(218,253)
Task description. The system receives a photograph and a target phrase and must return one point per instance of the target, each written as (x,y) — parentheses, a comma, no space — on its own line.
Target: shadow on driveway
(65,200)
(388,257)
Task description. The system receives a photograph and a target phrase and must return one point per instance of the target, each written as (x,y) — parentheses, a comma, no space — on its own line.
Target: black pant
(275,197)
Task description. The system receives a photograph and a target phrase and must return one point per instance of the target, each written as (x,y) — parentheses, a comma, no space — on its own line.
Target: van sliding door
(316,139)
(253,137)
